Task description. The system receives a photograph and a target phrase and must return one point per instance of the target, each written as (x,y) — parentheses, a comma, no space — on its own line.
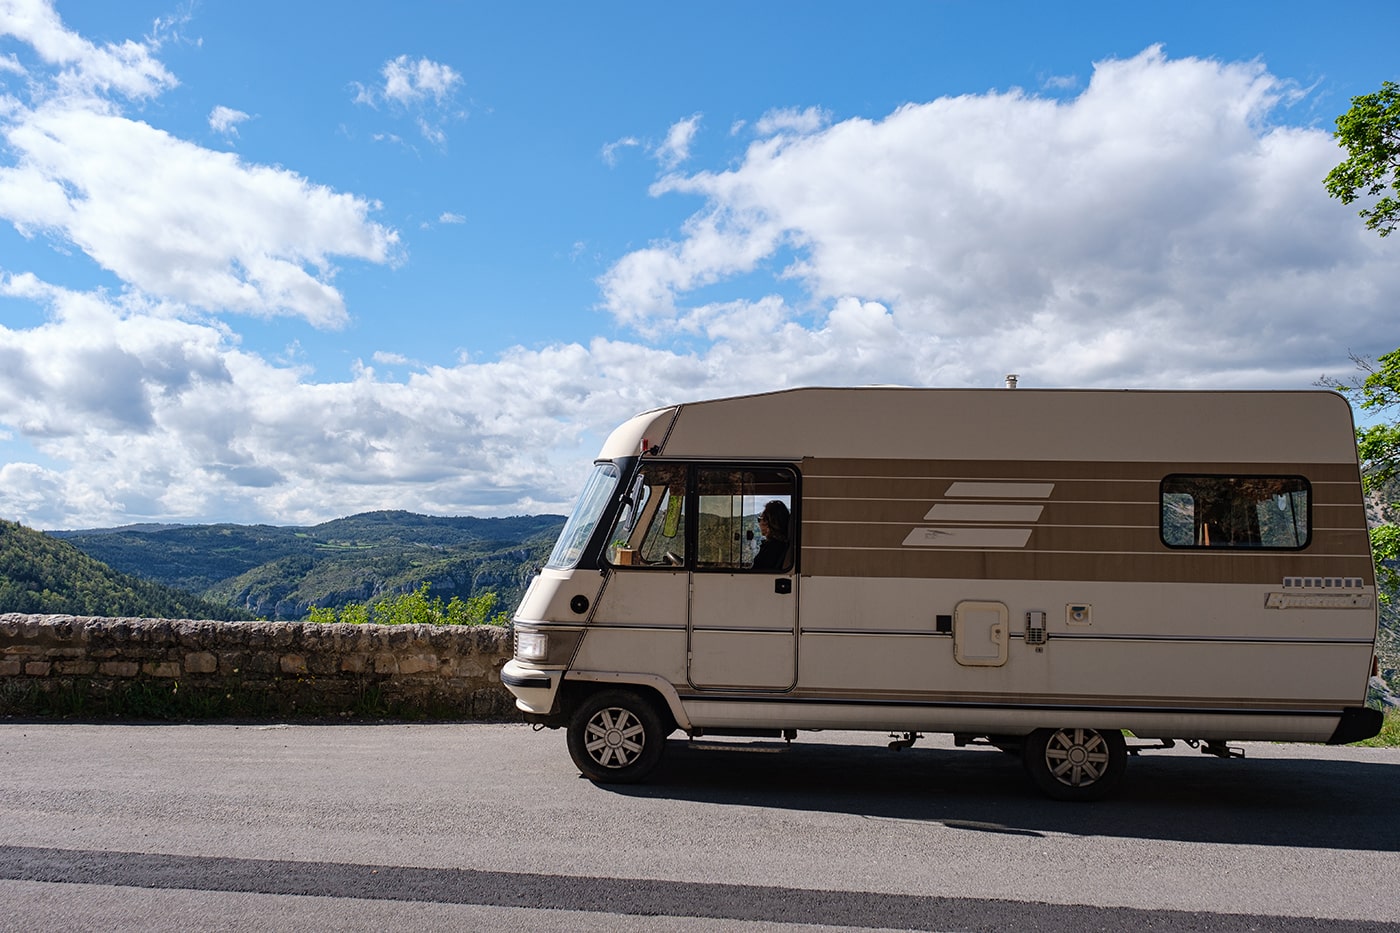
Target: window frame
(794,510)
(691,516)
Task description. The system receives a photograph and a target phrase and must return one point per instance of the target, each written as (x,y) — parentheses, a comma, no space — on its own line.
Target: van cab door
(742,624)
(743,631)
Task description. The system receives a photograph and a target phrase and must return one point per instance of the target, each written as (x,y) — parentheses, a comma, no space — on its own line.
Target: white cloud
(225,120)
(1157,229)
(182,222)
(128,69)
(792,120)
(408,82)
(448,217)
(162,417)
(421,87)
(610,150)
(676,148)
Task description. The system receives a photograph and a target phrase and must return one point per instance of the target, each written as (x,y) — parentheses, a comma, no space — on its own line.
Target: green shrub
(415,608)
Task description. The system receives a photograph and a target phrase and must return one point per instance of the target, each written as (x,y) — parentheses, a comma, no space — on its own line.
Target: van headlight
(531,646)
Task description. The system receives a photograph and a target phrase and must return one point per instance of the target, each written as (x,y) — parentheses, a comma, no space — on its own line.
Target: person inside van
(773,525)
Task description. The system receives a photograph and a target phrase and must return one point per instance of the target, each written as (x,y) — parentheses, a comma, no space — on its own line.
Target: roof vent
(1011,379)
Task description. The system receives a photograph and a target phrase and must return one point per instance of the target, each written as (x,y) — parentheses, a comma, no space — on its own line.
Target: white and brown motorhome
(1037,569)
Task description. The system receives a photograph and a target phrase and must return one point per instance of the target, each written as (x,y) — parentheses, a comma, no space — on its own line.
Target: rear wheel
(616,737)
(1076,764)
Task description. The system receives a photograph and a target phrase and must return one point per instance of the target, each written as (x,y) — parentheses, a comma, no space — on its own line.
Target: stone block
(161,668)
(233,662)
(467,666)
(76,668)
(354,663)
(293,664)
(119,668)
(11,668)
(197,634)
(37,668)
(418,664)
(201,662)
(386,663)
(263,662)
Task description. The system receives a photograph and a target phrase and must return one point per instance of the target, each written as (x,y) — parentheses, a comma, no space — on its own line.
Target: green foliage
(1377,445)
(416,608)
(1385,549)
(39,574)
(1370,133)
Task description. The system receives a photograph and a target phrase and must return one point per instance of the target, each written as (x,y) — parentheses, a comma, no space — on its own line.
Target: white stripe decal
(980,537)
(968,537)
(983,512)
(1000,490)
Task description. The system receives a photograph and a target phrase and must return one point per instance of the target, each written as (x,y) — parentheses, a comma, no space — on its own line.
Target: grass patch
(1389,736)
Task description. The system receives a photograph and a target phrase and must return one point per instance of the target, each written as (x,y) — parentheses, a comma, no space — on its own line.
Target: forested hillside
(281,572)
(39,574)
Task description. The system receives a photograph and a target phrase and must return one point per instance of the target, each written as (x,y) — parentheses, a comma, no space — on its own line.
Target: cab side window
(651,528)
(745,519)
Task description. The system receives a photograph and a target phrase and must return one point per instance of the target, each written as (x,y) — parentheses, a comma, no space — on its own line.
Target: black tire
(616,737)
(1076,764)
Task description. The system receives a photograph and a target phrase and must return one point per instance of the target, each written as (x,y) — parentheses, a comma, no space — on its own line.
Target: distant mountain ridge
(279,572)
(41,575)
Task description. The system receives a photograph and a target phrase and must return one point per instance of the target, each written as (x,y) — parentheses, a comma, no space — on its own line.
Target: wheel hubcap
(614,738)
(1077,757)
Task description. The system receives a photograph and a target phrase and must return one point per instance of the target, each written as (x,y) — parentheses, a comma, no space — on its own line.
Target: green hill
(39,574)
(281,572)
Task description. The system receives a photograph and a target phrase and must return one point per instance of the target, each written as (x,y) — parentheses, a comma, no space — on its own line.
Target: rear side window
(1236,512)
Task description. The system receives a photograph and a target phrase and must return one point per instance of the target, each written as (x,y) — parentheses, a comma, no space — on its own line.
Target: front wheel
(1076,764)
(616,737)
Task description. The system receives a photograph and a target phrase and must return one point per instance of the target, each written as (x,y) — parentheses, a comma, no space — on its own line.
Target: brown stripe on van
(1102,538)
(1052,470)
(1066,520)
(1167,566)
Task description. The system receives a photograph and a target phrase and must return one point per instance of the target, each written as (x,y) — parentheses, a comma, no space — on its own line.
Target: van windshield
(597,492)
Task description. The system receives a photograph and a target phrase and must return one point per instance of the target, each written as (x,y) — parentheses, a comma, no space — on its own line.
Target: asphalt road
(489,827)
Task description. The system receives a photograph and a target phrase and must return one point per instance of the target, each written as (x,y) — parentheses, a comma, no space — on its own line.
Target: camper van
(1038,570)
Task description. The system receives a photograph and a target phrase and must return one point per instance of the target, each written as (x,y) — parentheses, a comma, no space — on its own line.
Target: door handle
(782,586)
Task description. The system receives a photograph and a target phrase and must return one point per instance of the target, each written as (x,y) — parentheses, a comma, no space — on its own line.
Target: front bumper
(534,689)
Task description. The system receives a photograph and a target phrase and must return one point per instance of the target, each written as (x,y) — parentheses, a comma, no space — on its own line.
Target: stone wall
(83,667)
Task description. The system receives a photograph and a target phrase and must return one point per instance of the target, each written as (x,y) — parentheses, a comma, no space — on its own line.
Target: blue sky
(286,262)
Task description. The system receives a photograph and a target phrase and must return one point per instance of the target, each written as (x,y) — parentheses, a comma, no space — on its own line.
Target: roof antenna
(1011,379)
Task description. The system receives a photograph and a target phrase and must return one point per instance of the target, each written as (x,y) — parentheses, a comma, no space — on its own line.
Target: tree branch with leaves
(1370,134)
